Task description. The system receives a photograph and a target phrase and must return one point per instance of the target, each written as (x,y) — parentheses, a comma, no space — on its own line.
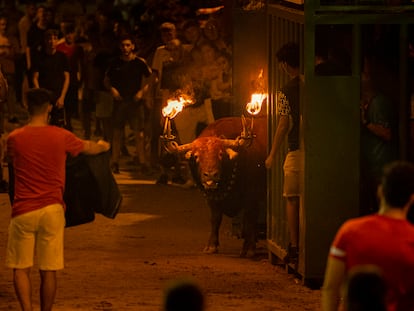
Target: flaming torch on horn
(170,111)
(255,105)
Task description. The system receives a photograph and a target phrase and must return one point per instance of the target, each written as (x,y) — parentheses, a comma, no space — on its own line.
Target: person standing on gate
(126,80)
(37,152)
(288,110)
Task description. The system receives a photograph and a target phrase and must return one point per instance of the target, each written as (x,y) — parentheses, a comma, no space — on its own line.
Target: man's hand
(139,95)
(115,94)
(60,102)
(104,144)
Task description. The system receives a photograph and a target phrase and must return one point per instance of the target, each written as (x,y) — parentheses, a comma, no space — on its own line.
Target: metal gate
(330,121)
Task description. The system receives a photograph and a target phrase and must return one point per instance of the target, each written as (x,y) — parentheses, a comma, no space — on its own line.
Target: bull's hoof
(210,250)
(250,253)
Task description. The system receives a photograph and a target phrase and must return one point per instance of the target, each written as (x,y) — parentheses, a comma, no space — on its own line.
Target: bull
(229,169)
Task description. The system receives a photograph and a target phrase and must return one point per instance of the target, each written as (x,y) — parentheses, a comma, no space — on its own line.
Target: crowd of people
(121,64)
(72,48)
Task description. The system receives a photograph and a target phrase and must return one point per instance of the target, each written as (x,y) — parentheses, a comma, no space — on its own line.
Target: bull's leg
(250,216)
(215,222)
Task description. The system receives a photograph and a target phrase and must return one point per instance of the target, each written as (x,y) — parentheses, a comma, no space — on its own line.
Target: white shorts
(292,170)
(41,229)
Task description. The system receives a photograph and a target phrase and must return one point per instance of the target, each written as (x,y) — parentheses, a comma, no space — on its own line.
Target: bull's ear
(188,154)
(231,153)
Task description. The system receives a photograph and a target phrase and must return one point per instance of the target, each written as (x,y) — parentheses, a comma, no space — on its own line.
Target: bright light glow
(175,106)
(255,105)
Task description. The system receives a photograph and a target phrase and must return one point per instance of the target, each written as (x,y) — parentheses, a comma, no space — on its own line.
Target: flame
(175,106)
(255,104)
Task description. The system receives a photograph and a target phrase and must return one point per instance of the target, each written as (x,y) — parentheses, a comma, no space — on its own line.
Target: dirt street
(158,236)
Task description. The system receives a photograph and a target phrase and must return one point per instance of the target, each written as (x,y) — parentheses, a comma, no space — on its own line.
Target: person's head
(397,185)
(3,24)
(127,45)
(69,32)
(191,31)
(365,289)
(289,55)
(30,9)
(168,32)
(38,101)
(51,39)
(40,14)
(176,49)
(49,15)
(183,296)
(224,61)
(211,30)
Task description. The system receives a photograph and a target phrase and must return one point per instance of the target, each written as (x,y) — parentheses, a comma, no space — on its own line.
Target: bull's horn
(185,147)
(173,147)
(232,143)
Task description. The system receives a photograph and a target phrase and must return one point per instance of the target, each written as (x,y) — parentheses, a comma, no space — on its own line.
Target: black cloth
(90,188)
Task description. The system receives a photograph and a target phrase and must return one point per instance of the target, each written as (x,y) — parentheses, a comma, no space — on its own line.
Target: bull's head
(209,153)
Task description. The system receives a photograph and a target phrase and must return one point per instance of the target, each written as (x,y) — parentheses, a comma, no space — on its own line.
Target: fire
(175,106)
(170,111)
(255,104)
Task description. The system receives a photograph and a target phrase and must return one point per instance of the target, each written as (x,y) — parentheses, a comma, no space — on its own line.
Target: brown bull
(230,171)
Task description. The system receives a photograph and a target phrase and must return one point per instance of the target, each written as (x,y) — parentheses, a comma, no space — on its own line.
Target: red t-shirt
(38,156)
(387,243)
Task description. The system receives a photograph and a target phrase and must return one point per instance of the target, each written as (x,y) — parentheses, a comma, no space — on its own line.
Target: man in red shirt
(385,240)
(38,153)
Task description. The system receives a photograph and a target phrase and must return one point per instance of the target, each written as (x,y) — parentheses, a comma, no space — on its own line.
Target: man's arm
(281,132)
(90,147)
(36,80)
(108,85)
(331,289)
(28,59)
(61,100)
(379,130)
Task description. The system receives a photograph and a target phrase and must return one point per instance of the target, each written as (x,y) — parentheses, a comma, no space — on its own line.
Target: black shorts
(132,112)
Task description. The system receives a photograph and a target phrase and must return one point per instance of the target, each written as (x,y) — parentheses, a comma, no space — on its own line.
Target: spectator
(4,185)
(74,53)
(35,40)
(126,80)
(51,71)
(385,240)
(288,111)
(378,138)
(221,87)
(9,47)
(24,25)
(159,95)
(38,156)
(184,295)
(365,289)
(104,49)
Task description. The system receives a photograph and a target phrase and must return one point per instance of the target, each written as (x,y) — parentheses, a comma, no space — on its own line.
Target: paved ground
(158,236)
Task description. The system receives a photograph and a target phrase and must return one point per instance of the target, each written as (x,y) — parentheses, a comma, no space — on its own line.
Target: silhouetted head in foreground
(183,296)
(366,289)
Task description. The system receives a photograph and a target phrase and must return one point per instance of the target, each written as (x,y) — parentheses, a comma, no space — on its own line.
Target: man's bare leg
(47,290)
(292,212)
(23,288)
